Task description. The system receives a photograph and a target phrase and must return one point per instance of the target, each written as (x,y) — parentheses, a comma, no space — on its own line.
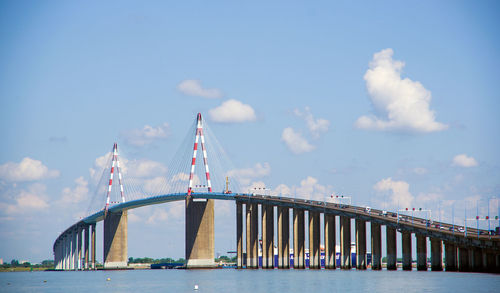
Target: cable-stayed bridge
(465,248)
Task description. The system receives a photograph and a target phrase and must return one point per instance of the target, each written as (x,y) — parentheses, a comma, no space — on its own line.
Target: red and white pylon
(116,161)
(199,133)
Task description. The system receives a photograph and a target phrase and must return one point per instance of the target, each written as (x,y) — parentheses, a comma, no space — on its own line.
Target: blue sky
(383,101)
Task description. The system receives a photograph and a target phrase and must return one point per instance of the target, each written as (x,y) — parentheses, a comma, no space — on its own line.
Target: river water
(231,280)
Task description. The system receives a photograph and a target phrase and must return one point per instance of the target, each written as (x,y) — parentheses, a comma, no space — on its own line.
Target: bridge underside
(199,233)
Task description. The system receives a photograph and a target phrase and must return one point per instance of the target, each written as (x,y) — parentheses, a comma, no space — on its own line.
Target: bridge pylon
(199,213)
(115,224)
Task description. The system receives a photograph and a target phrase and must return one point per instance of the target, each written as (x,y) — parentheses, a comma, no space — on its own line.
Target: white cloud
(232,111)
(400,104)
(247,174)
(144,168)
(309,188)
(193,87)
(27,170)
(315,126)
(463,160)
(400,191)
(78,194)
(23,201)
(158,215)
(155,185)
(146,135)
(295,142)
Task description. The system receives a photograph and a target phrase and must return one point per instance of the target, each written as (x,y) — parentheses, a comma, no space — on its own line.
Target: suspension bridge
(465,248)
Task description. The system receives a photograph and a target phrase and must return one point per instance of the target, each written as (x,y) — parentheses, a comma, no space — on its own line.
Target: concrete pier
(239,235)
(421,252)
(406,249)
(251,235)
(391,247)
(329,222)
(283,238)
(314,239)
(345,243)
(93,244)
(437,254)
(450,256)
(115,240)
(463,259)
(477,260)
(299,239)
(267,212)
(490,262)
(376,241)
(360,244)
(74,254)
(86,247)
(79,248)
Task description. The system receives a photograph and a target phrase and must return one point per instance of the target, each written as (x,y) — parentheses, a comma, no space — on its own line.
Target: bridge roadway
(465,250)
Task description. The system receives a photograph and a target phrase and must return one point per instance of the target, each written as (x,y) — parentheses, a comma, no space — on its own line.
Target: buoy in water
(195,287)
(108,279)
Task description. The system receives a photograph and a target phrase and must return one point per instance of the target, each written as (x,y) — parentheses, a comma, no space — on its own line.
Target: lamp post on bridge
(340,199)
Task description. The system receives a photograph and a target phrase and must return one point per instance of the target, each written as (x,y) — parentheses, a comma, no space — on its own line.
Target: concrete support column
(421,252)
(298,239)
(314,239)
(86,247)
(360,244)
(490,262)
(199,233)
(252,231)
(93,245)
(329,221)
(437,254)
(477,260)
(406,248)
(270,236)
(254,228)
(79,248)
(248,232)
(345,243)
(64,252)
(376,241)
(283,238)
(267,223)
(450,256)
(115,240)
(74,254)
(391,247)
(463,259)
(69,238)
(239,235)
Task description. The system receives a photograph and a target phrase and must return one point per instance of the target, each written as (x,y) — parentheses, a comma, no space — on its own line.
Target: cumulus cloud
(463,160)
(77,194)
(295,142)
(146,135)
(399,191)
(309,188)
(144,168)
(193,87)
(232,111)
(24,201)
(247,174)
(315,126)
(400,104)
(27,170)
